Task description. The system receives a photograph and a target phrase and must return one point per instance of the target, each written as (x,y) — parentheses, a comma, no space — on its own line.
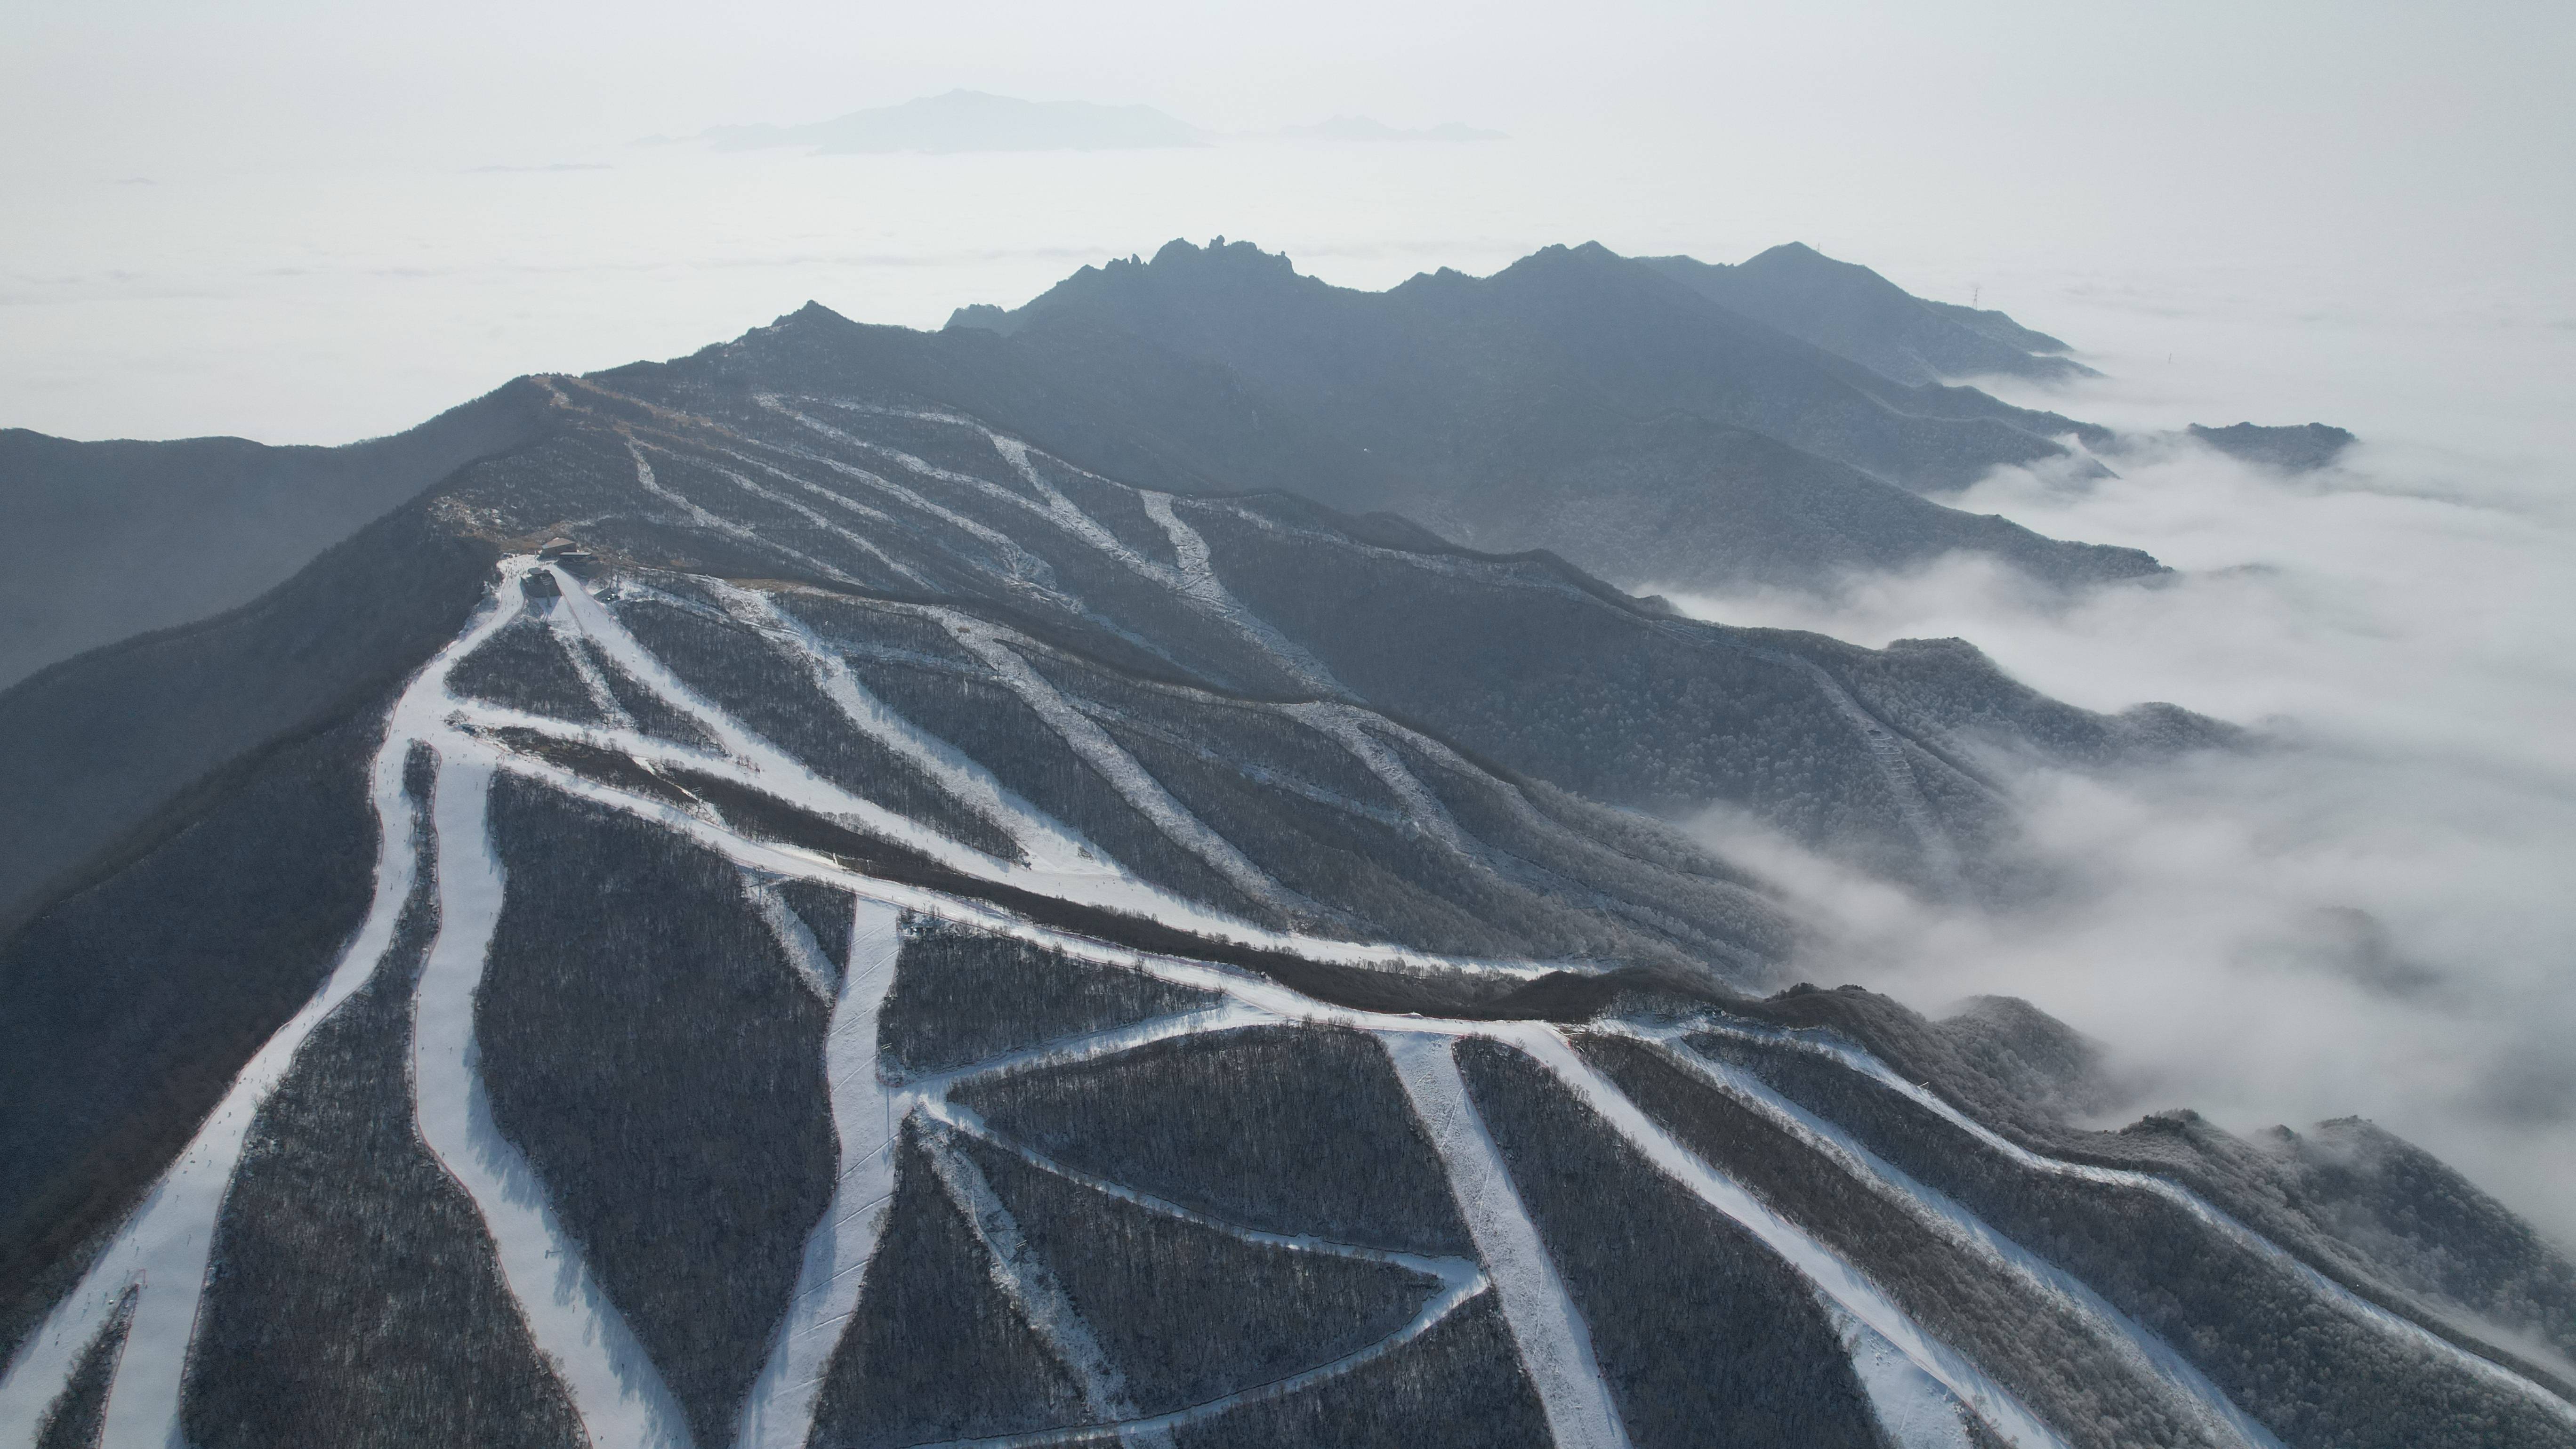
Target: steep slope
(1855,313)
(1673,1223)
(99,541)
(1575,403)
(853,930)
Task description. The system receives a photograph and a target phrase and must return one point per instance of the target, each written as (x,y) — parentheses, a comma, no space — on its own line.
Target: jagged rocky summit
(778,911)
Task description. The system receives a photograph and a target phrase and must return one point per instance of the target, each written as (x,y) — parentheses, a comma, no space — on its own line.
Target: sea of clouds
(2371,912)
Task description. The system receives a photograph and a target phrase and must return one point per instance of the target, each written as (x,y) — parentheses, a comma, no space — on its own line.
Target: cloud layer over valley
(2369,914)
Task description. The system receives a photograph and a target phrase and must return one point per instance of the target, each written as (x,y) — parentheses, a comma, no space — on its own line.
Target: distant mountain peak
(811,318)
(1800,255)
(1561,256)
(1179,268)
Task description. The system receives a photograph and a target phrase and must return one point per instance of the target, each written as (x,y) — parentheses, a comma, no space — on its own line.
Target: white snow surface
(779,1411)
(1093,880)
(569,638)
(838,530)
(1911,1406)
(1194,580)
(1200,585)
(1456,1281)
(1555,1344)
(814,970)
(713,522)
(1024,1278)
(1023,567)
(1047,843)
(1140,790)
(843,501)
(617,1392)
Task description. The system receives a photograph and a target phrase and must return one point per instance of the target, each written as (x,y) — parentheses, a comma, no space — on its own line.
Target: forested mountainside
(787,914)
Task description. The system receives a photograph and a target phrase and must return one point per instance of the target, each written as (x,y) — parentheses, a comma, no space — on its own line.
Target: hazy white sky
(265,217)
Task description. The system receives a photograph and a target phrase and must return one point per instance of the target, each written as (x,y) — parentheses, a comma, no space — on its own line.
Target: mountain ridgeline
(103,541)
(1023,887)
(1854,312)
(1579,401)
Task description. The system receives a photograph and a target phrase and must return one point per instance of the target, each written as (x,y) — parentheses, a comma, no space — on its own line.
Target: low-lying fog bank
(2374,915)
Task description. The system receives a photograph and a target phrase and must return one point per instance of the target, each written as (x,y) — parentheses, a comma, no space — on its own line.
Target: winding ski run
(152,1275)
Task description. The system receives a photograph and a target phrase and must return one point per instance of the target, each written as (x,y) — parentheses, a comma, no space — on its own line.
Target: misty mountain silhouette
(1854,312)
(1577,401)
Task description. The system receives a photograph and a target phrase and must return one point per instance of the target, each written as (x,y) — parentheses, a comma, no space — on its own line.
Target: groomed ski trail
(1836,1279)
(1119,770)
(1028,1284)
(614,1387)
(2403,1330)
(779,1412)
(1555,1344)
(162,1251)
(617,1391)
(2185,1389)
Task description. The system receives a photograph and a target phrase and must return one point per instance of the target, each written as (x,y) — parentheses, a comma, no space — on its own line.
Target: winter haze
(2359,215)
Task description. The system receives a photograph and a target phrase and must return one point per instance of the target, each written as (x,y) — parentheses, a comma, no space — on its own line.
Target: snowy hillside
(870,934)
